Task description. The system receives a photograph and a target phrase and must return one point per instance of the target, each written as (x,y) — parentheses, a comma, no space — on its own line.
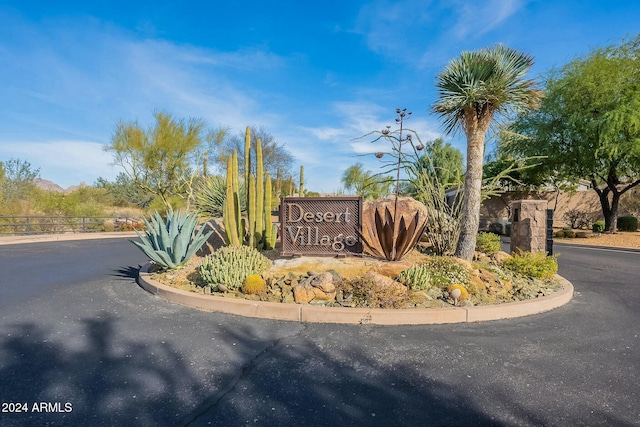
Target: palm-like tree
(473,90)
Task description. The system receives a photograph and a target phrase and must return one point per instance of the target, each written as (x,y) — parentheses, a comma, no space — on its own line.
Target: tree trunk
(472,193)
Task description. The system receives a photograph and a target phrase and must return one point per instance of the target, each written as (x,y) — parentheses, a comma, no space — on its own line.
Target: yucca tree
(474,90)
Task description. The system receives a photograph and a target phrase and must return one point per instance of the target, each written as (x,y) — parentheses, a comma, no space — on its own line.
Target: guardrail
(30,224)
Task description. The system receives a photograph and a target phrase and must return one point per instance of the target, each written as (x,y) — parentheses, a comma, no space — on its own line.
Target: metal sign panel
(324,226)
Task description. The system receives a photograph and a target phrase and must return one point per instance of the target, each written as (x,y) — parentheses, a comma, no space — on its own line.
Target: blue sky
(315,74)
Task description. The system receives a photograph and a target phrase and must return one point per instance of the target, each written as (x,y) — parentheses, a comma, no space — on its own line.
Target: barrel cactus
(254,284)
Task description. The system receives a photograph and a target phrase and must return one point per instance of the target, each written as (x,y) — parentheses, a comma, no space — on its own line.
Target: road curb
(41,238)
(344,315)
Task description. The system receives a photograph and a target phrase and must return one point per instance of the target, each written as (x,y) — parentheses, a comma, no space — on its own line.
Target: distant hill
(45,184)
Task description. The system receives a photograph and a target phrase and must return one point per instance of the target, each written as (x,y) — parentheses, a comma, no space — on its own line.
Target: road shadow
(252,377)
(129,272)
(99,382)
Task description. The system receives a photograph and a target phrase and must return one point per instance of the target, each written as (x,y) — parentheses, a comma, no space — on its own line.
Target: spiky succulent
(172,243)
(231,265)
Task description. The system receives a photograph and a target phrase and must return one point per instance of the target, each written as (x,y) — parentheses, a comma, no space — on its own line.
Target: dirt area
(622,239)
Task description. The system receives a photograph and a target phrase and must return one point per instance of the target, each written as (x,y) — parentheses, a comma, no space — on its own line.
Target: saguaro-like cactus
(231,208)
(247,156)
(259,219)
(301,188)
(270,230)
(257,226)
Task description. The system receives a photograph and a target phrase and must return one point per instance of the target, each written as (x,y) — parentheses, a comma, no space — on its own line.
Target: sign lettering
(320,225)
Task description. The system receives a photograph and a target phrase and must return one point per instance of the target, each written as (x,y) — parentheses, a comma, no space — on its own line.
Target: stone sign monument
(529,226)
(325,226)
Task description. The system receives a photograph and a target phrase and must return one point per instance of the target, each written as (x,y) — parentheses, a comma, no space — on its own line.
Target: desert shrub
(488,243)
(583,234)
(496,228)
(627,223)
(254,284)
(559,234)
(231,265)
(365,291)
(598,227)
(438,271)
(569,233)
(578,219)
(532,264)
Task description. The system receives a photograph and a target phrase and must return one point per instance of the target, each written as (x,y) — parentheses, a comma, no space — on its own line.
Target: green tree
(474,90)
(443,162)
(160,159)
(588,126)
(16,179)
(124,192)
(277,160)
(365,183)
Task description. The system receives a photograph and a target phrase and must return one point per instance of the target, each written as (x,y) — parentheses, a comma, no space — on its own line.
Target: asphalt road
(82,345)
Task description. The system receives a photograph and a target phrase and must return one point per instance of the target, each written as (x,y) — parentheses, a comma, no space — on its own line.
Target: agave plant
(170,245)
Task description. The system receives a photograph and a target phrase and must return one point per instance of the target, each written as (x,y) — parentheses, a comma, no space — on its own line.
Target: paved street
(81,344)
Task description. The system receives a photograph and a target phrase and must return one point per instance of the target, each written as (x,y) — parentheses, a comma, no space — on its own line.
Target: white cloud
(64,162)
(479,18)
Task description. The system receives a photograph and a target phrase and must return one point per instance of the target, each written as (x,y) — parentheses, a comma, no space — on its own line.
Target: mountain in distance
(45,184)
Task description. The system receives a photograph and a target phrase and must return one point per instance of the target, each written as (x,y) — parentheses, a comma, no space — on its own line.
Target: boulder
(319,287)
(500,257)
(303,293)
(323,281)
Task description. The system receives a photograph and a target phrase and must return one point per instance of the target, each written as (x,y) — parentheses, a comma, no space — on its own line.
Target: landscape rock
(303,293)
(500,257)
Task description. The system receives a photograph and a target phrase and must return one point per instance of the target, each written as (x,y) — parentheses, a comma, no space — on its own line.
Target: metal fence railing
(30,224)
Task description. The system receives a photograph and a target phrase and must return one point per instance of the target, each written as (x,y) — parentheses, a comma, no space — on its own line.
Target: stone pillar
(529,225)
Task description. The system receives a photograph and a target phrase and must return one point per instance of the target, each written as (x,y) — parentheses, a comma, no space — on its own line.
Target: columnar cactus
(270,230)
(259,217)
(256,229)
(301,189)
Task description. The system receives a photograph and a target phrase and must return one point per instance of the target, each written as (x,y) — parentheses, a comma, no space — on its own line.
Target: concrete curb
(40,238)
(318,314)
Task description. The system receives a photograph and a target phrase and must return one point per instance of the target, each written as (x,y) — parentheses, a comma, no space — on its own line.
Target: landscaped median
(347,315)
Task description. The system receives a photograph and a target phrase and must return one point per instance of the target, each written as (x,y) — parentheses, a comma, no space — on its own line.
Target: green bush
(532,264)
(559,234)
(488,243)
(627,223)
(598,227)
(569,233)
(439,272)
(231,265)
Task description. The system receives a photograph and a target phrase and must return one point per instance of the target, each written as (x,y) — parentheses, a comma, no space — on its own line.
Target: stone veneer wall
(528,225)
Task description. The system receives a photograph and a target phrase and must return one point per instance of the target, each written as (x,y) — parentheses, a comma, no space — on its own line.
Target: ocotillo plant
(392,233)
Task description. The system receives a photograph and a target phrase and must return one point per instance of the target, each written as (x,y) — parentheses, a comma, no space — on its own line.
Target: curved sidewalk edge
(319,314)
(40,238)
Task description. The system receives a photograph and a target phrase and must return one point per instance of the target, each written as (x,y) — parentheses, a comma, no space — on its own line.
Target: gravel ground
(622,239)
